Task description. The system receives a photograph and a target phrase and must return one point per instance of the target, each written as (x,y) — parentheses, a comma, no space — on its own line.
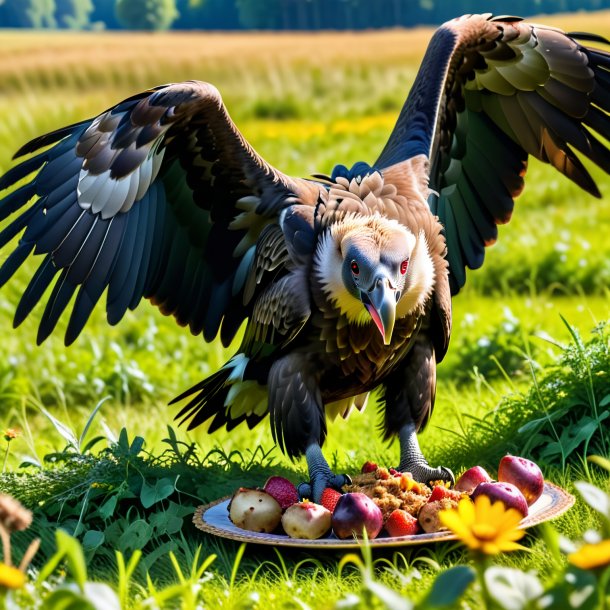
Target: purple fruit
(471,478)
(505,492)
(524,474)
(354,513)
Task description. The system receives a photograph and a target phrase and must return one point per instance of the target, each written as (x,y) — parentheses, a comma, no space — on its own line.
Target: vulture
(344,281)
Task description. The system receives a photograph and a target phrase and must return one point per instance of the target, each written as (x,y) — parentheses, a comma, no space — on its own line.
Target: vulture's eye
(404,266)
(354,267)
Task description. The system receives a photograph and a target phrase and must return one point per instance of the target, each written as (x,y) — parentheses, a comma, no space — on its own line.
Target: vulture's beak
(380,302)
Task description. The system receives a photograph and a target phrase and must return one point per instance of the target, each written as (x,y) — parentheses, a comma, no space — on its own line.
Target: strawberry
(282,490)
(401,523)
(395,473)
(329,498)
(368,467)
(440,492)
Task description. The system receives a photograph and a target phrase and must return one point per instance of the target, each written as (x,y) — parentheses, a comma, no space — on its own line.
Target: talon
(340,480)
(304,491)
(447,475)
(315,488)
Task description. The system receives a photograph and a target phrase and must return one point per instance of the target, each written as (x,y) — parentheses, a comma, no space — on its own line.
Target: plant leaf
(93,539)
(135,536)
(577,590)
(61,428)
(89,421)
(449,586)
(151,494)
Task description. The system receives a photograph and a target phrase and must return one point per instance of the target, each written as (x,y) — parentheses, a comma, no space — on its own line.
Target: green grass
(305,103)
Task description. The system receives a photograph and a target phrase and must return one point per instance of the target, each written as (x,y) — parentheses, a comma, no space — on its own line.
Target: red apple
(355,512)
(505,492)
(524,474)
(471,478)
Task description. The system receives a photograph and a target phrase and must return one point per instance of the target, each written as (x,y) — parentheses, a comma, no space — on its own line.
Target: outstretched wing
(490,92)
(159,197)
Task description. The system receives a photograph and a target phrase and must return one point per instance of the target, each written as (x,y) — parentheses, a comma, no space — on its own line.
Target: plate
(214,519)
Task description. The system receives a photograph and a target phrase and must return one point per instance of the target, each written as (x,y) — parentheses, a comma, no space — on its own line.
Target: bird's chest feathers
(358,350)
(351,340)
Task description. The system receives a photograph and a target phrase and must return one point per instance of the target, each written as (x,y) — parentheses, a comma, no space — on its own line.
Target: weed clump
(560,419)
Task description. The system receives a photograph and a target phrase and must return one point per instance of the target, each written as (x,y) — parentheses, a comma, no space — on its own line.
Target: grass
(305,102)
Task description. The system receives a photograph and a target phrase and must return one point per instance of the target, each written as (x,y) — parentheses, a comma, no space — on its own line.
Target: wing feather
(491,91)
(158,178)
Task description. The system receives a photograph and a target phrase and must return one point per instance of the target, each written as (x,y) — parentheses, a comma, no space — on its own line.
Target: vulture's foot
(424,473)
(412,459)
(320,475)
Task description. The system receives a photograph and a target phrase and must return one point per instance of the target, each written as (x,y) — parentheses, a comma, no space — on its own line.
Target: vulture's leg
(409,396)
(298,422)
(412,459)
(320,475)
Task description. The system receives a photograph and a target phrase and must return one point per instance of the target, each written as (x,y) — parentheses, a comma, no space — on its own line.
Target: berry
(368,467)
(401,523)
(329,498)
(394,472)
(440,492)
(282,490)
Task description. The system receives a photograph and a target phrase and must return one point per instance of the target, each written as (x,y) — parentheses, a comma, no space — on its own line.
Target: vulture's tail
(227,396)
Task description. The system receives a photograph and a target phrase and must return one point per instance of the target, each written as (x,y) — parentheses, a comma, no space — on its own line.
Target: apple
(306,520)
(505,492)
(254,510)
(471,478)
(354,513)
(524,474)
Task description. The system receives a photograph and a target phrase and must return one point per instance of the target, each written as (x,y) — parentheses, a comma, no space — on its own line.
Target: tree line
(262,14)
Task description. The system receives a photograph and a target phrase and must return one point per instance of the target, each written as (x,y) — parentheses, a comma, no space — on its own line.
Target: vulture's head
(375,270)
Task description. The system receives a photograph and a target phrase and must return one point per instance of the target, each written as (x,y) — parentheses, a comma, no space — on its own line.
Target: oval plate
(214,519)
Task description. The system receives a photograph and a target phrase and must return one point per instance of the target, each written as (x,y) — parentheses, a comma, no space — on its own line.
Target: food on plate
(390,491)
(354,513)
(368,467)
(524,474)
(505,492)
(401,523)
(471,478)
(440,492)
(329,498)
(306,520)
(380,501)
(428,515)
(282,490)
(254,510)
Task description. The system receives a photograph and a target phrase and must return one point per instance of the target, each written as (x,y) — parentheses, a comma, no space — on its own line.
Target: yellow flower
(11,577)
(590,556)
(484,526)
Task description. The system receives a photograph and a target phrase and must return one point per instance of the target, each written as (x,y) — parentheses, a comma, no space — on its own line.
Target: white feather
(134,181)
(101,197)
(145,178)
(89,185)
(420,279)
(116,202)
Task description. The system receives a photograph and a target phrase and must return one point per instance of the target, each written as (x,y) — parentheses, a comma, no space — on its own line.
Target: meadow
(305,102)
